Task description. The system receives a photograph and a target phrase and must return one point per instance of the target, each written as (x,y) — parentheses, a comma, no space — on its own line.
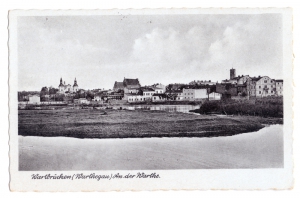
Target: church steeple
(61,82)
(75,83)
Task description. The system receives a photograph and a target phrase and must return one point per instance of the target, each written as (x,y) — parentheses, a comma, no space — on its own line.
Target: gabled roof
(146,89)
(256,78)
(118,85)
(128,81)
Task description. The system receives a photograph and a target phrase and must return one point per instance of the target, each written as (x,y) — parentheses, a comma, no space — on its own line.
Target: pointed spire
(75,83)
(61,82)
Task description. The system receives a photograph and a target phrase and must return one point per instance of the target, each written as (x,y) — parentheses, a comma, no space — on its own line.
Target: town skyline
(99,50)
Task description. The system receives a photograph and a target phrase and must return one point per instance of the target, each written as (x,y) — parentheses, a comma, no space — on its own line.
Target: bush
(265,107)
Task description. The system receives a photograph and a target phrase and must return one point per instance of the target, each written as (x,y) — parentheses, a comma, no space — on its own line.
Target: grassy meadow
(84,123)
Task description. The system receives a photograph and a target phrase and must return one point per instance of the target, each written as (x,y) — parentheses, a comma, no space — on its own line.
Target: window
(265,81)
(154,98)
(271,86)
(266,86)
(267,92)
(271,91)
(259,87)
(259,92)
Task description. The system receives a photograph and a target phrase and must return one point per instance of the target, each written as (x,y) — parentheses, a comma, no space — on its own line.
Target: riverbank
(134,124)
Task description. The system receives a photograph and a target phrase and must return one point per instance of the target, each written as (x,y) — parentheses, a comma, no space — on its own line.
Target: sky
(99,50)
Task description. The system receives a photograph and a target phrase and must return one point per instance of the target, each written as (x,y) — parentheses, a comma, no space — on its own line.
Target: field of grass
(131,124)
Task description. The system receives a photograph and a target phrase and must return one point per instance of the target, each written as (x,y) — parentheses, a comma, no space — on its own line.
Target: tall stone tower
(232,73)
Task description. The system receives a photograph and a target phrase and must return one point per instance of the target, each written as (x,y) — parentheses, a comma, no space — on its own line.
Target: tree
(89,95)
(53,91)
(44,91)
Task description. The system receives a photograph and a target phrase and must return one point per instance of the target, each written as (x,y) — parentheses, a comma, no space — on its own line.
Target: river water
(262,149)
(169,108)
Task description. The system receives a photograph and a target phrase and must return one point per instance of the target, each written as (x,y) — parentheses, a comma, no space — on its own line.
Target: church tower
(61,86)
(232,74)
(75,86)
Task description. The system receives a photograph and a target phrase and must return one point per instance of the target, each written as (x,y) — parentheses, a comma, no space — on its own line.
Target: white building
(81,101)
(264,86)
(279,87)
(161,86)
(148,92)
(158,90)
(134,98)
(97,98)
(159,97)
(194,94)
(179,95)
(214,96)
(34,99)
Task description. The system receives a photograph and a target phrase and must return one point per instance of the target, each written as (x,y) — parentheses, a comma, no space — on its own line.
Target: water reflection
(169,108)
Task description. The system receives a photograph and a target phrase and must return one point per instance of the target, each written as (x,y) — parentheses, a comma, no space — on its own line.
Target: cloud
(99,50)
(252,47)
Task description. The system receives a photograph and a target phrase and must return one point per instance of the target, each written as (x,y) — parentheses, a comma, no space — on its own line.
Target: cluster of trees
(47,94)
(89,95)
(22,95)
(175,86)
(265,107)
(52,94)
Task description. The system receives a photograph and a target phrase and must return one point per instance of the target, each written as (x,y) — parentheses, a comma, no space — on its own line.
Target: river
(168,108)
(262,149)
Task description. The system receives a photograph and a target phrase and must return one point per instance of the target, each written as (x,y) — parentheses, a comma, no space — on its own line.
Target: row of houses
(179,95)
(130,90)
(261,86)
(133,92)
(234,87)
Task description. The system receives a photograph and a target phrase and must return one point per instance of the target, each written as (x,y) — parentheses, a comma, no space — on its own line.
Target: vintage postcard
(150,99)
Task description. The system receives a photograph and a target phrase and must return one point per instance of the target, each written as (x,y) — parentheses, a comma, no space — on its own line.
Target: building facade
(279,87)
(67,88)
(34,99)
(194,94)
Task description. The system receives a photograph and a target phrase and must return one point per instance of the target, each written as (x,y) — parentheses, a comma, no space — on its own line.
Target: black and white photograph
(150,91)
